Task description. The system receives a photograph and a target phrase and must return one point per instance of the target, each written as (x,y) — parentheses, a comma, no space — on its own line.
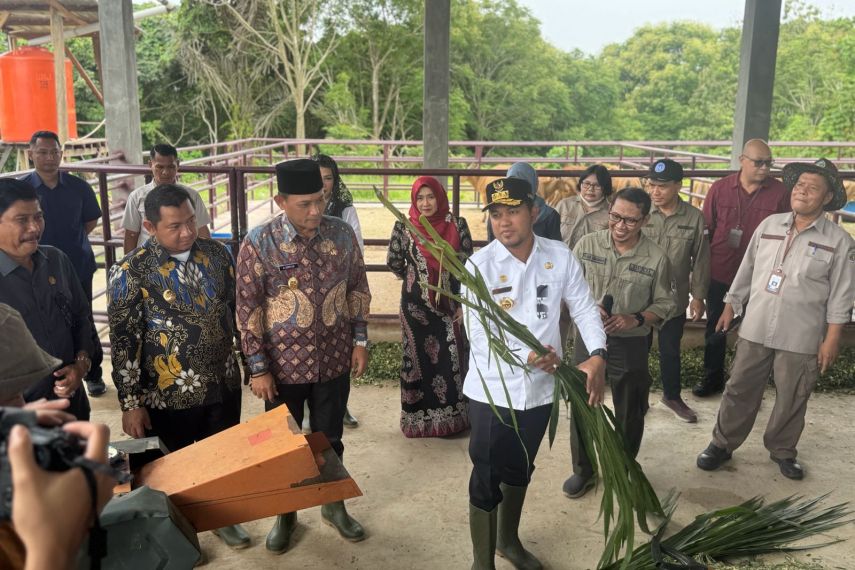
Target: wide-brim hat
(299,176)
(22,361)
(508,192)
(824,167)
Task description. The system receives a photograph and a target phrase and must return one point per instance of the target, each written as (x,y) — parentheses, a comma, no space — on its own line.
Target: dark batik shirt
(301,302)
(67,209)
(172,327)
(52,304)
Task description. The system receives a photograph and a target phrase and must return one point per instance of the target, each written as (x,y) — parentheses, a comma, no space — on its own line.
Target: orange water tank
(28,94)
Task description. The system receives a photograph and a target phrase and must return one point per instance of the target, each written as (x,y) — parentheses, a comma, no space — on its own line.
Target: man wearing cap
(799,274)
(164,170)
(678,228)
(733,208)
(40,283)
(302,310)
(530,277)
(172,334)
(625,268)
(71,212)
(548,222)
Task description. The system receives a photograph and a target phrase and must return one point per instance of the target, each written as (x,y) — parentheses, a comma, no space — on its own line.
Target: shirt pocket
(634,292)
(817,264)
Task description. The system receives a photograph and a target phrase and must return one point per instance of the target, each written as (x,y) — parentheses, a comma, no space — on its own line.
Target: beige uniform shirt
(639,280)
(818,285)
(575,222)
(683,237)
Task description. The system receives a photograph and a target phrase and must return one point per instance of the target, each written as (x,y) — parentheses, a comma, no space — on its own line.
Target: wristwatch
(640,318)
(362,343)
(87,362)
(601,352)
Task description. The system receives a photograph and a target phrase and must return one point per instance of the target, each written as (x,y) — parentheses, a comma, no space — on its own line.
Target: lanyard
(751,198)
(791,233)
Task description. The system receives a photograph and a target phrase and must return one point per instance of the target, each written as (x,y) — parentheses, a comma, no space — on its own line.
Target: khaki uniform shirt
(683,238)
(575,222)
(639,280)
(818,286)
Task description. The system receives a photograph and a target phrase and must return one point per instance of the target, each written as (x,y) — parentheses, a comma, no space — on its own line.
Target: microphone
(608,303)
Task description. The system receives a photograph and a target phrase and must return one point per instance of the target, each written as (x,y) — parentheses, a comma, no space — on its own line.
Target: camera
(54,448)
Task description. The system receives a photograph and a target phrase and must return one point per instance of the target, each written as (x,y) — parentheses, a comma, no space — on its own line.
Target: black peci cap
(300,176)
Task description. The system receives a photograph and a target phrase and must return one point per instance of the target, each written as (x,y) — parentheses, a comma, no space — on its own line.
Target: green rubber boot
(508,543)
(335,515)
(234,536)
(279,537)
(482,528)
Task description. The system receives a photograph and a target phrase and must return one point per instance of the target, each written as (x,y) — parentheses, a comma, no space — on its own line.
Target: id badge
(734,238)
(776,281)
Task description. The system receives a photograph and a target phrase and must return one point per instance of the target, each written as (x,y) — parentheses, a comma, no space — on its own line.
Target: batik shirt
(172,327)
(301,302)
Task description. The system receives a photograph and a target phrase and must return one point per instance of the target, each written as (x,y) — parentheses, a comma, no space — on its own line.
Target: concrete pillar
(759,50)
(58,41)
(437,38)
(119,65)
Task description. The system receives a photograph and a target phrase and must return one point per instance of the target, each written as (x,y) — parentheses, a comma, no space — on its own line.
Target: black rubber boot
(349,420)
(279,537)
(508,543)
(482,528)
(335,515)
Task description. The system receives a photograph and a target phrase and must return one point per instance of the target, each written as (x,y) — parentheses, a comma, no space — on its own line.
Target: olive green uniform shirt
(576,222)
(683,237)
(639,280)
(818,286)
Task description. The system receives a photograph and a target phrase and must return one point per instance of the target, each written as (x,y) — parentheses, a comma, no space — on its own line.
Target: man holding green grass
(529,277)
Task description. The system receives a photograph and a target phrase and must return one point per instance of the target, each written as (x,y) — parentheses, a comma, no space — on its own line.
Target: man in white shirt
(164,170)
(530,277)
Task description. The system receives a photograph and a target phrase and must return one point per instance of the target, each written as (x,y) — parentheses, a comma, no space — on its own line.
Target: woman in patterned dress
(436,352)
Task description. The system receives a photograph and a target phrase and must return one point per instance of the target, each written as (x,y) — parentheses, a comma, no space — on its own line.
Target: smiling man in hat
(799,274)
(530,277)
(302,304)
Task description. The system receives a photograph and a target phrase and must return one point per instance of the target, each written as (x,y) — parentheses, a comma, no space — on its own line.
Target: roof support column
(437,38)
(58,42)
(758,52)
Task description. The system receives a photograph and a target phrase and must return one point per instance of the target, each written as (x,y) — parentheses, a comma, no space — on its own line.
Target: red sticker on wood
(257,438)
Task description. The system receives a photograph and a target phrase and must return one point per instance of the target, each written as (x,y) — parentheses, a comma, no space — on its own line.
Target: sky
(589,25)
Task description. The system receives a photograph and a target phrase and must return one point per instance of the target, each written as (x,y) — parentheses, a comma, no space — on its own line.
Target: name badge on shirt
(288,266)
(734,238)
(542,294)
(776,281)
(500,290)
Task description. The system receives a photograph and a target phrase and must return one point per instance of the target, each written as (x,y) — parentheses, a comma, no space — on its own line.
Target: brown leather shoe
(681,410)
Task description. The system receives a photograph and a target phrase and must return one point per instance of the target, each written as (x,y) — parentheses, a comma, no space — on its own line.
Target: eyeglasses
(628,222)
(591,186)
(767,162)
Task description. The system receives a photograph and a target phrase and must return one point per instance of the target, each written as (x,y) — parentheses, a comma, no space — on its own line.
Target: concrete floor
(415,491)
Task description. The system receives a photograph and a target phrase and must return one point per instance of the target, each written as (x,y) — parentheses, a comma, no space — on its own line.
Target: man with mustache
(39,282)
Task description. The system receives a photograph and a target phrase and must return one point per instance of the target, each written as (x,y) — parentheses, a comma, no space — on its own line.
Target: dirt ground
(415,491)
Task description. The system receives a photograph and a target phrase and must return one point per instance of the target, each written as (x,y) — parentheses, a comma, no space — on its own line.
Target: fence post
(455,194)
(385,166)
(109,250)
(270,178)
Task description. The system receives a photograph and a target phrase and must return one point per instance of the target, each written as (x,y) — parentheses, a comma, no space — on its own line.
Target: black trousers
(670,335)
(629,376)
(714,348)
(327,401)
(180,428)
(498,455)
(95,373)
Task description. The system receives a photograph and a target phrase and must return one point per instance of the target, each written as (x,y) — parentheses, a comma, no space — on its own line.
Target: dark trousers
(95,373)
(498,455)
(629,376)
(180,428)
(327,401)
(714,348)
(670,335)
